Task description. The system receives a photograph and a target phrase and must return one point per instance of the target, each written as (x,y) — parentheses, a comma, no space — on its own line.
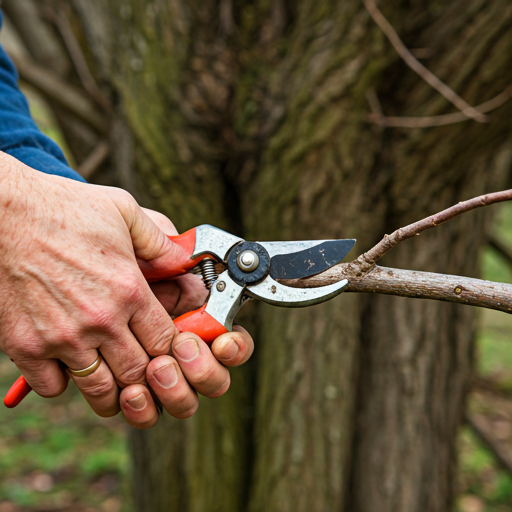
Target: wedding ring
(87,371)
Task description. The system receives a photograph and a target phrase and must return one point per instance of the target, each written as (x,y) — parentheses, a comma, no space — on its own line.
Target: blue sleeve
(19,135)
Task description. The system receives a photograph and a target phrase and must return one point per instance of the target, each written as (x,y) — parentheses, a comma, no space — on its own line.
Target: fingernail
(227,350)
(167,376)
(187,350)
(139,402)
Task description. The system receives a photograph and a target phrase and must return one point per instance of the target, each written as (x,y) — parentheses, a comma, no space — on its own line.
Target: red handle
(201,323)
(19,390)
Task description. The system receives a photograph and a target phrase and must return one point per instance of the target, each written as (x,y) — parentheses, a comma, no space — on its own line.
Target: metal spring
(207,270)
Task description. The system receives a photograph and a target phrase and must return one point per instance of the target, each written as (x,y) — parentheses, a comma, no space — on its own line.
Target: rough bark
(252,116)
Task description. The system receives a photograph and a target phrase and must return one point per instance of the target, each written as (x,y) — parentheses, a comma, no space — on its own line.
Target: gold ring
(87,371)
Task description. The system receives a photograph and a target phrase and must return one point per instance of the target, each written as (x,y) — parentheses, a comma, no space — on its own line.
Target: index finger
(233,348)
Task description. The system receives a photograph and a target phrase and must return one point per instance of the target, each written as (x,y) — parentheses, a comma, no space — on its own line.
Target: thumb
(153,249)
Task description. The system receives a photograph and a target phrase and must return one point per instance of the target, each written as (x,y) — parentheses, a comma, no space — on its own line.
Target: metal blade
(293,260)
(274,293)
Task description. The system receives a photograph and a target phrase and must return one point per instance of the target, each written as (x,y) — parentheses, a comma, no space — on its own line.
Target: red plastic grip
(201,323)
(19,390)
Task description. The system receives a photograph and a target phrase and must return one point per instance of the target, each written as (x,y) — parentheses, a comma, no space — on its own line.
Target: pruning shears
(236,271)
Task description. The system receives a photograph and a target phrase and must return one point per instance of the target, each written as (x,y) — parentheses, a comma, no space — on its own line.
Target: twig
(502,456)
(79,61)
(365,276)
(367,260)
(377,116)
(500,248)
(41,42)
(419,68)
(67,96)
(93,161)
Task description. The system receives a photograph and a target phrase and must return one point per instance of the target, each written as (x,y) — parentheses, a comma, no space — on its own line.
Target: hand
(71,286)
(194,367)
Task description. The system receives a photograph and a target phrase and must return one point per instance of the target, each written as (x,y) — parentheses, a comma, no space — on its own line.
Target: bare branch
(493,444)
(368,259)
(54,88)
(79,61)
(419,68)
(501,249)
(37,36)
(377,116)
(92,163)
(365,276)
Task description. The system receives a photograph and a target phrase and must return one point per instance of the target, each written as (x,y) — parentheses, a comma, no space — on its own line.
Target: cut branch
(54,88)
(429,77)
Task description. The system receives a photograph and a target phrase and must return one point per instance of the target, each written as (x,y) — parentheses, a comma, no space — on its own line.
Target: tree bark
(252,116)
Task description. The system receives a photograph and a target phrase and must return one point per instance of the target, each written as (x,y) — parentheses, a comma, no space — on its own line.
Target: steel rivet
(248,261)
(221,286)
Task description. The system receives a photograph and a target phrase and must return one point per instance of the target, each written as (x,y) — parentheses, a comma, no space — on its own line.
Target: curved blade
(274,293)
(304,259)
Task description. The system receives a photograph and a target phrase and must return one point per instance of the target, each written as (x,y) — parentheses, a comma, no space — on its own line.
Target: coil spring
(206,268)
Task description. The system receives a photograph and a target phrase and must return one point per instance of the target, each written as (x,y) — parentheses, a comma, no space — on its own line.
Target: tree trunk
(252,116)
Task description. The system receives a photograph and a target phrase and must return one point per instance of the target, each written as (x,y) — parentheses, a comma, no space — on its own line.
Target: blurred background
(284,120)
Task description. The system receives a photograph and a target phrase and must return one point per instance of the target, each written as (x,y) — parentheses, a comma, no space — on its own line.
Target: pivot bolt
(248,261)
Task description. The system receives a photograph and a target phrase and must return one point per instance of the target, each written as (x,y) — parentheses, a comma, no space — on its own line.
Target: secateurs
(249,270)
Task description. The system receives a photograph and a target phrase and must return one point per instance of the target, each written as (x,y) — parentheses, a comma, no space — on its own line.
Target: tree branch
(429,77)
(78,58)
(415,285)
(502,249)
(365,276)
(501,455)
(92,163)
(380,119)
(67,96)
(368,259)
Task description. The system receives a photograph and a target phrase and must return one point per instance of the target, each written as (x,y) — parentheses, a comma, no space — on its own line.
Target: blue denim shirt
(19,135)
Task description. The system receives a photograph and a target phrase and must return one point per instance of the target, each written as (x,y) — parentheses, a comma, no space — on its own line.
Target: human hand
(195,366)
(71,286)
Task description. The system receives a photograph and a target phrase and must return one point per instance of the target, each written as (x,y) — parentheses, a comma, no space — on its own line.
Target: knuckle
(31,350)
(50,390)
(129,286)
(162,342)
(133,374)
(100,318)
(98,389)
(123,196)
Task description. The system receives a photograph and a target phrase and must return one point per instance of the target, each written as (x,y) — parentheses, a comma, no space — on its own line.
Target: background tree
(254,116)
